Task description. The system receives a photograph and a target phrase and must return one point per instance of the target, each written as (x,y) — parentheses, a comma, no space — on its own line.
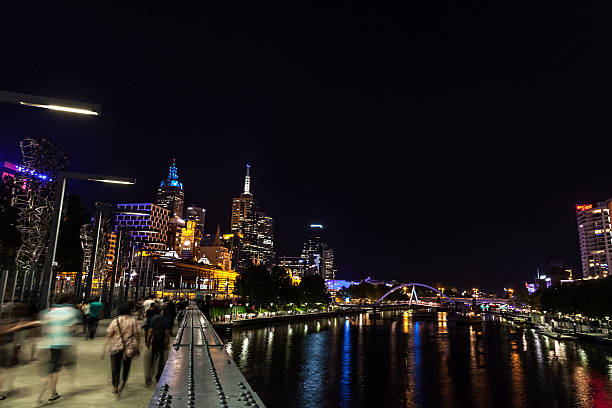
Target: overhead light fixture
(111,181)
(56,104)
(61,108)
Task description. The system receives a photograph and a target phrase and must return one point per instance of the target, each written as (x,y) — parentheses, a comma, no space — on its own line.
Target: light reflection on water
(403,360)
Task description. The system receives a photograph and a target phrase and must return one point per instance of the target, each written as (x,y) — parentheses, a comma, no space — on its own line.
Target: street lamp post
(47,277)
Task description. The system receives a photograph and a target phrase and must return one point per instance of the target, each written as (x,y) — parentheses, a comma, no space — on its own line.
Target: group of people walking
(150,319)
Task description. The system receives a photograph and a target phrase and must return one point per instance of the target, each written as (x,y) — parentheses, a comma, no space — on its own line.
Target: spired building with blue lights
(170,194)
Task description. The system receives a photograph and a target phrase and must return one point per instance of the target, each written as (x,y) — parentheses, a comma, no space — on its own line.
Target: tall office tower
(148,223)
(170,194)
(197,214)
(241,206)
(327,261)
(595,238)
(312,251)
(265,238)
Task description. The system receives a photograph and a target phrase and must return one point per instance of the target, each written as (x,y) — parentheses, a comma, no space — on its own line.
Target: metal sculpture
(86,237)
(33,198)
(122,258)
(101,232)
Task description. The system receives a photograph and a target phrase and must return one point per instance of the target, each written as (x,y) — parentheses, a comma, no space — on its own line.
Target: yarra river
(400,360)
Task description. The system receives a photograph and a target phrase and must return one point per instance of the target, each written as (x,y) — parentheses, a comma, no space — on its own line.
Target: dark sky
(442,141)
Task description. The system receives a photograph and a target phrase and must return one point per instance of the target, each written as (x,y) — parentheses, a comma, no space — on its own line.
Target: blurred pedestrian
(170,308)
(84,307)
(140,308)
(147,304)
(122,340)
(58,329)
(95,308)
(151,314)
(181,306)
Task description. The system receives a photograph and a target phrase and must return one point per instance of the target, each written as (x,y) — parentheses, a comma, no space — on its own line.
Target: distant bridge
(433,302)
(413,293)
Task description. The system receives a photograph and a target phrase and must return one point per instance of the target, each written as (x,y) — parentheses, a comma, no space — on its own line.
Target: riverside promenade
(87,385)
(240,321)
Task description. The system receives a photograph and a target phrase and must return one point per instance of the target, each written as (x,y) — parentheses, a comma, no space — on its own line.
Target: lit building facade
(216,255)
(595,238)
(110,251)
(197,214)
(233,243)
(7,169)
(148,223)
(295,265)
(188,241)
(170,194)
(184,279)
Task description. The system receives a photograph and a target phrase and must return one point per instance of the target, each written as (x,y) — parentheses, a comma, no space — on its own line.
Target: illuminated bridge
(442,301)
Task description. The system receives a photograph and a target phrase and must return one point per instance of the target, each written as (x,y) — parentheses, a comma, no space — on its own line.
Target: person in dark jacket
(158,339)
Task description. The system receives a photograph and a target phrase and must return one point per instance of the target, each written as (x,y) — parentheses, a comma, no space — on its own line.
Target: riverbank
(565,334)
(285,318)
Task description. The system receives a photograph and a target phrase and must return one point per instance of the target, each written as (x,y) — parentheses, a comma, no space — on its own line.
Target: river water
(401,360)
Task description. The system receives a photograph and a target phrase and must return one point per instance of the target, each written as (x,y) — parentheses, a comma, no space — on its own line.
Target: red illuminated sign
(582,207)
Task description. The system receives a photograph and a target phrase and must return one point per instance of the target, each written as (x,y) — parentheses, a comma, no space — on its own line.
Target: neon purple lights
(34,173)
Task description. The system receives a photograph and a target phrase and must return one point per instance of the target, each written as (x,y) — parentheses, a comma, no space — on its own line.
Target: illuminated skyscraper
(170,194)
(312,251)
(258,241)
(595,238)
(241,206)
(317,255)
(329,272)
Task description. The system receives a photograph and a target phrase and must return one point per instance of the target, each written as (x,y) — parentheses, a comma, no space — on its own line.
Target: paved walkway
(89,385)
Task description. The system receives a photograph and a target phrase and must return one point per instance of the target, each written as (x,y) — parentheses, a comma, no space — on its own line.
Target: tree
(255,285)
(312,289)
(590,298)
(283,289)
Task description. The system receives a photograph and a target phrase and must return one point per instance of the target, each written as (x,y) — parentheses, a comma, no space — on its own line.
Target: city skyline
(381,139)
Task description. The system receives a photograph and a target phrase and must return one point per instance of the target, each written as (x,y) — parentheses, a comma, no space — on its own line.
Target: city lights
(34,173)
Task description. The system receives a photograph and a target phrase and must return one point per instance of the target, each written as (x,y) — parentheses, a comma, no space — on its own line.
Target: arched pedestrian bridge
(442,301)
(413,296)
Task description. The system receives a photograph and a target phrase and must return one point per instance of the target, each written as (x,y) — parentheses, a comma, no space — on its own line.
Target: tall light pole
(45,287)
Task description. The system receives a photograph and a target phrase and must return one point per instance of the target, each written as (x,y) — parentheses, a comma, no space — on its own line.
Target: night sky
(441,141)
